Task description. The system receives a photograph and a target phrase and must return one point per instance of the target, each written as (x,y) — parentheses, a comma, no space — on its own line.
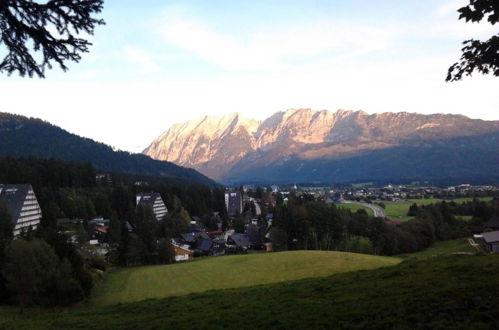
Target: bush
(36,276)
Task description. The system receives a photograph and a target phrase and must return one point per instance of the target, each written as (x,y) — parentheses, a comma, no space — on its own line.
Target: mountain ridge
(307,134)
(22,136)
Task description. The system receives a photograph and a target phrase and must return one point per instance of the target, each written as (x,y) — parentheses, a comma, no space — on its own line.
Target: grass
(398,210)
(135,284)
(455,292)
(444,248)
(354,207)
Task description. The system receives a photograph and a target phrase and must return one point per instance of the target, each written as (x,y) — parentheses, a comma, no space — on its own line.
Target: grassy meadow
(398,210)
(454,292)
(139,283)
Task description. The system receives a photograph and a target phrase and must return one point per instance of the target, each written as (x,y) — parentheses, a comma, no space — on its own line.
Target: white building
(233,203)
(155,201)
(22,205)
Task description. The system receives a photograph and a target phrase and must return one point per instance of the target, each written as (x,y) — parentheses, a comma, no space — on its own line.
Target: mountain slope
(307,145)
(21,137)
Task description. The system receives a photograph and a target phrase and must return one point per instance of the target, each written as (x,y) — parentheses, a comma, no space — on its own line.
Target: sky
(160,62)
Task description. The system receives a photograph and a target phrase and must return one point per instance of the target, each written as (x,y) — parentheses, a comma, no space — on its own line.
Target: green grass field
(444,248)
(134,284)
(398,210)
(354,207)
(455,292)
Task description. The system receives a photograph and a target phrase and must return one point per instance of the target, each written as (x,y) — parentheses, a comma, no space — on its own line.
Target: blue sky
(156,63)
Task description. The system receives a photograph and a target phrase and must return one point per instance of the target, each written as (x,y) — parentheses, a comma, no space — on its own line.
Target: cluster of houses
(198,241)
(201,242)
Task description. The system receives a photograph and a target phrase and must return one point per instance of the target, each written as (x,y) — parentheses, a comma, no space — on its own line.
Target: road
(378,210)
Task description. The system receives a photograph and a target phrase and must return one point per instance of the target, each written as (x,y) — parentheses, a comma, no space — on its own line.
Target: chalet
(155,201)
(22,206)
(239,241)
(182,253)
(492,241)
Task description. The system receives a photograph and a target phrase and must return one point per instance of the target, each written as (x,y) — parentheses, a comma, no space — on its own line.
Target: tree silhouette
(482,56)
(36,34)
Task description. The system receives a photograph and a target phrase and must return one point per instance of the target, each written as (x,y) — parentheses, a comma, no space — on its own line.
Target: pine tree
(29,27)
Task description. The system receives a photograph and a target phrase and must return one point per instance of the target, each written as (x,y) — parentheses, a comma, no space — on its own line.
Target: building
(182,253)
(22,205)
(491,241)
(233,203)
(155,201)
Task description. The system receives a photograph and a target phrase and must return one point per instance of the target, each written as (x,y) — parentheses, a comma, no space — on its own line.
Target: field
(398,210)
(354,207)
(455,292)
(444,248)
(134,284)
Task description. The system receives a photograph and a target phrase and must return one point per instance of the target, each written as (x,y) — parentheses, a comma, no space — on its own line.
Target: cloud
(274,48)
(145,62)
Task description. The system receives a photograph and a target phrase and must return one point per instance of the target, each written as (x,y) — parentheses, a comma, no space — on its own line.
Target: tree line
(303,223)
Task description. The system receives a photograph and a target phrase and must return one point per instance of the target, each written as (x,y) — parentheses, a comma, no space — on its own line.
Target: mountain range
(21,137)
(304,145)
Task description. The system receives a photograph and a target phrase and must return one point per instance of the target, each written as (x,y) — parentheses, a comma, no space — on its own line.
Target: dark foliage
(23,137)
(35,275)
(481,56)
(29,27)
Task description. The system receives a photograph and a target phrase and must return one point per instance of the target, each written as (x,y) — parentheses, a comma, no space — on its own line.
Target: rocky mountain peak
(216,144)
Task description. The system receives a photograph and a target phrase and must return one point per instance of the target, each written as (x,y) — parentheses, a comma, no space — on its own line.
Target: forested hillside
(21,137)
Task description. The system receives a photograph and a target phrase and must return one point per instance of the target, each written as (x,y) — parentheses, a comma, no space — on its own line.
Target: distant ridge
(324,146)
(21,137)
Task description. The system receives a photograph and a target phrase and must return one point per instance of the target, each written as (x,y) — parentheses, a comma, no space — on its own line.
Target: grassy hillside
(134,284)
(444,248)
(457,292)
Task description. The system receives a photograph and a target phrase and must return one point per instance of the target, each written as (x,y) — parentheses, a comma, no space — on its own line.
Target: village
(247,228)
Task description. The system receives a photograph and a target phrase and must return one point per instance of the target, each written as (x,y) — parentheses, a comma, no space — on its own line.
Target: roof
(491,237)
(219,241)
(189,237)
(241,240)
(196,227)
(147,198)
(13,197)
(492,223)
(181,250)
(205,245)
